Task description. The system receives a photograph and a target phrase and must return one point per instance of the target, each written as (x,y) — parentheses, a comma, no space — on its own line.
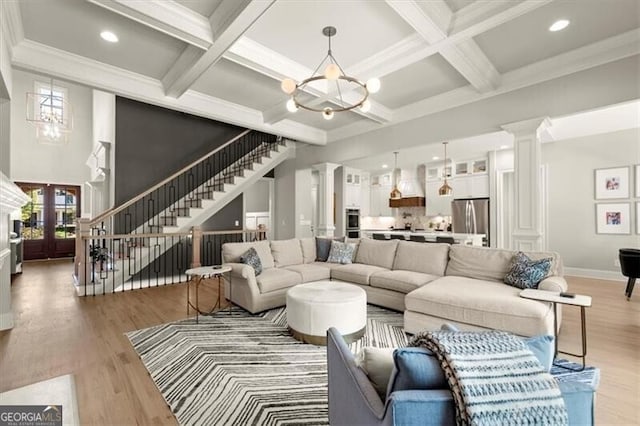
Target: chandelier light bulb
(332,72)
(373,85)
(366,106)
(288,86)
(291,105)
(327,113)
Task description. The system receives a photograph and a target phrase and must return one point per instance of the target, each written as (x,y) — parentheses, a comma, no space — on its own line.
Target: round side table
(196,276)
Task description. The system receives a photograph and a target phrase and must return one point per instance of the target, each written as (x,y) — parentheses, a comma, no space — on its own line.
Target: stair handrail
(101,217)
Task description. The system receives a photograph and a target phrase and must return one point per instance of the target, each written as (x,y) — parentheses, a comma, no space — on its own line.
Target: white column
(528,234)
(325,198)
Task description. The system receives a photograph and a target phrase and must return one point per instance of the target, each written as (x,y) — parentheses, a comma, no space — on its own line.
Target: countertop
(423,233)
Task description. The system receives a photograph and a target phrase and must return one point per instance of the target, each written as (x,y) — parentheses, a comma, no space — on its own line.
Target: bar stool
(397,237)
(379,237)
(630,266)
(448,240)
(417,238)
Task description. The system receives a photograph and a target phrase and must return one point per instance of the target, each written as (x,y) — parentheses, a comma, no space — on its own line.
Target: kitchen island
(467,239)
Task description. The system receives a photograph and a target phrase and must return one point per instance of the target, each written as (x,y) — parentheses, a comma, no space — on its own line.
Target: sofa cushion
(323,247)
(277,278)
(526,273)
(377,253)
(486,263)
(416,369)
(402,281)
(377,363)
(308,246)
(231,252)
(487,304)
(419,257)
(328,266)
(286,252)
(341,252)
(355,273)
(310,272)
(251,258)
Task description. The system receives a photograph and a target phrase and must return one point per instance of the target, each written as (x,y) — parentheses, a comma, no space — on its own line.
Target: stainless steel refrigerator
(470,216)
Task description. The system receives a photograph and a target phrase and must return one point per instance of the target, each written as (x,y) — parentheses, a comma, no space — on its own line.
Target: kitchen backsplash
(412,216)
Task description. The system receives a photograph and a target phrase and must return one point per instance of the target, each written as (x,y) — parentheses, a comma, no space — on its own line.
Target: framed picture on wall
(637,183)
(613,218)
(612,183)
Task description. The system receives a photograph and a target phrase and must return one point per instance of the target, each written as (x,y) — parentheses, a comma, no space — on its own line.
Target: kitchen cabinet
(353,188)
(380,201)
(473,186)
(437,205)
(365,195)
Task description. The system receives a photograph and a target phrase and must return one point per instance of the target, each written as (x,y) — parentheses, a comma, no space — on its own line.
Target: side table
(196,275)
(555,298)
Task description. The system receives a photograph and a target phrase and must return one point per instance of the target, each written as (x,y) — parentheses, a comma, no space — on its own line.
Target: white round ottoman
(315,307)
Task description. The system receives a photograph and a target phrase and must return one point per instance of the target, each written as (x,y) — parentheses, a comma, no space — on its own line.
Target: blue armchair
(354,401)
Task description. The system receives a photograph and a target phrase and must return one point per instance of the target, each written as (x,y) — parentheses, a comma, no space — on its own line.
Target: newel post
(196,243)
(83,231)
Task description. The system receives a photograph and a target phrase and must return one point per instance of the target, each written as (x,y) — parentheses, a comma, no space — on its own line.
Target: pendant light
(445,190)
(395,192)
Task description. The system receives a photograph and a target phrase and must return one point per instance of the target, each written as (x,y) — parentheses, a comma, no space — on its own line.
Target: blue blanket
(495,379)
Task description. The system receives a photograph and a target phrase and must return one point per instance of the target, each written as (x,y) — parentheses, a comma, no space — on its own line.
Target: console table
(554,297)
(197,275)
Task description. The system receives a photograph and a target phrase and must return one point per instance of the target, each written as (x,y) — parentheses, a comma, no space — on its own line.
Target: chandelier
(333,72)
(445,189)
(50,113)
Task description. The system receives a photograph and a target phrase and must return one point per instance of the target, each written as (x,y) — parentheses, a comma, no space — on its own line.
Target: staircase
(136,236)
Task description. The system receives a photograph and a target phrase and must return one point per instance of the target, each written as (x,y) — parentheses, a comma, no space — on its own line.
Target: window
(51,112)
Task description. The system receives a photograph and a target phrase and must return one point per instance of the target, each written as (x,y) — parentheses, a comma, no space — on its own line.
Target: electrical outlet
(616,262)
(237,223)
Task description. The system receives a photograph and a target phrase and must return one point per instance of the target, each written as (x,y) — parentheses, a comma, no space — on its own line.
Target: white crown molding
(253,55)
(166,16)
(40,58)
(229,21)
(590,56)
(11,20)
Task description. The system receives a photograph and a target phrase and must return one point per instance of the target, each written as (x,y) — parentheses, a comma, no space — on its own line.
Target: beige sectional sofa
(431,283)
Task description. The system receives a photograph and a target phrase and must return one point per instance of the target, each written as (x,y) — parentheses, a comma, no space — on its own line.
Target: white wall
(32,161)
(284,207)
(572,220)
(6,74)
(256,197)
(104,129)
(5,135)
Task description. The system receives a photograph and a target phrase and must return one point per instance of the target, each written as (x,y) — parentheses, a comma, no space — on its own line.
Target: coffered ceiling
(224,59)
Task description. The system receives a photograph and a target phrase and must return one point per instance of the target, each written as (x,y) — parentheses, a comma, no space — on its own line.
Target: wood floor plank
(58,333)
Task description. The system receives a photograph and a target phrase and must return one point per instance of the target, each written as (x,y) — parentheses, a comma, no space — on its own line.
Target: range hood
(411,185)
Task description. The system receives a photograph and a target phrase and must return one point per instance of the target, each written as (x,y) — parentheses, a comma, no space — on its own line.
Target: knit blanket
(495,379)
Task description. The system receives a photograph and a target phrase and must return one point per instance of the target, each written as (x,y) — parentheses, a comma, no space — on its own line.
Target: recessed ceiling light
(109,36)
(384,166)
(435,157)
(504,146)
(559,25)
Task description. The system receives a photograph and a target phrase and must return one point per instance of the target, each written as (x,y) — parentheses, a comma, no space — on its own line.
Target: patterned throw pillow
(341,252)
(527,273)
(251,258)
(323,246)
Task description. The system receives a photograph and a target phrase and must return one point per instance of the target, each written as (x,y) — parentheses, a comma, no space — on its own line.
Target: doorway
(48,220)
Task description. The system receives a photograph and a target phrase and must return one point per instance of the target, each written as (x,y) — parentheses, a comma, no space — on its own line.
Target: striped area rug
(244,369)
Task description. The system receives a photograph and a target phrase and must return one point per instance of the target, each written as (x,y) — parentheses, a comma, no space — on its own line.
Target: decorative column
(325,198)
(82,259)
(528,233)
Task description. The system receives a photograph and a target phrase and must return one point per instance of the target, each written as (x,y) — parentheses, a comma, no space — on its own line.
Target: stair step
(168,220)
(194,202)
(182,211)
(216,187)
(155,229)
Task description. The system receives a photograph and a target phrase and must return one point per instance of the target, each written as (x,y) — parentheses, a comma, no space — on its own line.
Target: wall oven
(352,223)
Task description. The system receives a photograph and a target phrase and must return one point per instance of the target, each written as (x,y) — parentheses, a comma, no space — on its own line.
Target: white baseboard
(594,273)
(6,321)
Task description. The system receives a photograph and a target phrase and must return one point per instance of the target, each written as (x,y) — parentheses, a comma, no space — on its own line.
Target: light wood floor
(57,333)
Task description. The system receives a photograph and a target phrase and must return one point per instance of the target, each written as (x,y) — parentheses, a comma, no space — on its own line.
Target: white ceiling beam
(166,16)
(253,55)
(432,22)
(603,52)
(44,59)
(470,21)
(229,21)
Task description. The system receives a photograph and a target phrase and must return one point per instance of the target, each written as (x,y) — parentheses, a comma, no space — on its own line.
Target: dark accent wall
(153,142)
(225,219)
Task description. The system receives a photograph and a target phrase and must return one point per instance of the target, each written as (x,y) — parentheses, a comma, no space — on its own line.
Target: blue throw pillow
(323,247)
(527,273)
(251,258)
(416,369)
(341,252)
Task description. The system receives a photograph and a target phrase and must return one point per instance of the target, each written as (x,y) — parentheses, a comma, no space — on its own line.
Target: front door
(49,220)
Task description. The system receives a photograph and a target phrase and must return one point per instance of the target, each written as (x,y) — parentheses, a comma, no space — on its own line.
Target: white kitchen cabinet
(380,201)
(352,188)
(365,195)
(472,186)
(435,204)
